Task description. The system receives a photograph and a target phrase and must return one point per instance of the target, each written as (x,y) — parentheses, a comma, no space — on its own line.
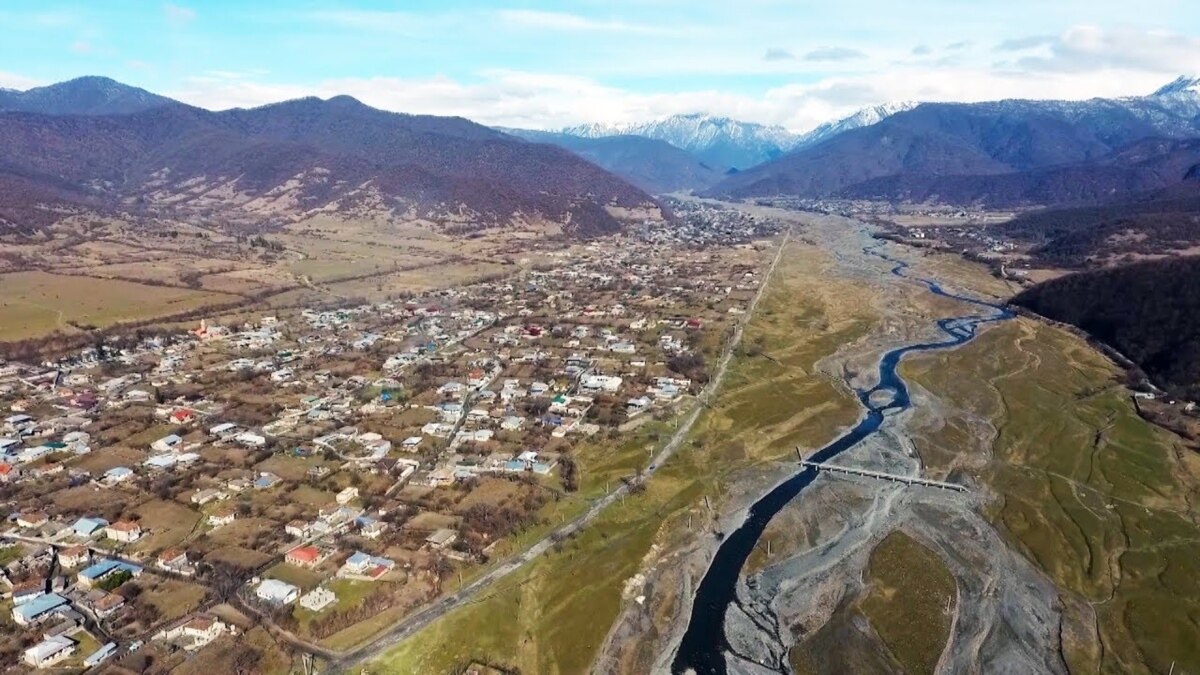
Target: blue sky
(543,64)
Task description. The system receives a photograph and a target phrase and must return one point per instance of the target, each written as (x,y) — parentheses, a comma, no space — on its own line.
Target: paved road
(468,594)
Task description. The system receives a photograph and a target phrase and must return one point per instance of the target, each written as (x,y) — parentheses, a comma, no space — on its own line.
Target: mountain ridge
(940,143)
(302,156)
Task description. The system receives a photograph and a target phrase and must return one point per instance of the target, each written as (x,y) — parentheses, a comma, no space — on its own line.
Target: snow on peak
(863,118)
(692,131)
(1184,85)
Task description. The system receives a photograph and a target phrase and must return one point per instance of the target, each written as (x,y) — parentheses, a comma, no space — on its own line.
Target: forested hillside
(1150,311)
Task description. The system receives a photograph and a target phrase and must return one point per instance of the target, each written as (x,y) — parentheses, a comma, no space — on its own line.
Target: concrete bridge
(879,475)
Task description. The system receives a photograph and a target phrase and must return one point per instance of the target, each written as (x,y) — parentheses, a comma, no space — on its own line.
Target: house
(346,496)
(223,430)
(32,520)
(318,599)
(182,416)
(89,527)
(277,592)
(411,443)
(303,556)
(100,655)
(371,528)
(207,495)
(361,564)
(38,609)
(266,481)
(598,383)
(443,538)
(24,591)
(107,604)
(623,348)
(74,556)
(49,652)
(166,443)
(172,558)
(92,575)
(222,516)
(250,440)
(195,632)
(297,529)
(8,472)
(124,531)
(117,474)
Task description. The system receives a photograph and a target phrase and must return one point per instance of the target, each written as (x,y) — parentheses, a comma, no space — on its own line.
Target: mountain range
(95,141)
(718,142)
(694,151)
(99,142)
(1002,153)
(651,164)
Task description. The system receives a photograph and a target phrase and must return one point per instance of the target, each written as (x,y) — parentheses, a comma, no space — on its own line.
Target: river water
(704,644)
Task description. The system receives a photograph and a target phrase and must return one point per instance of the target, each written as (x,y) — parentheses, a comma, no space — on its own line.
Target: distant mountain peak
(717,141)
(87,95)
(1184,84)
(864,117)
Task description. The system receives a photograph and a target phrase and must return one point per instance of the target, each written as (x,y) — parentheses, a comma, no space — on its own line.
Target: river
(704,645)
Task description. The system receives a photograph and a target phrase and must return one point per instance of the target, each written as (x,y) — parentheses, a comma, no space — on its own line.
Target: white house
(250,440)
(49,652)
(196,632)
(318,599)
(123,531)
(277,592)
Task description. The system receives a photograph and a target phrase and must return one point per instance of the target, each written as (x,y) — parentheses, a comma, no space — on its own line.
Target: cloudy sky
(548,64)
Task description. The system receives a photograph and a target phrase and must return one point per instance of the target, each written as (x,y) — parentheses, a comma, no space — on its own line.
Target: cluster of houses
(496,380)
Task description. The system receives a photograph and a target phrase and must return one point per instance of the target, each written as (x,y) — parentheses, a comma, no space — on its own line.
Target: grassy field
(553,614)
(36,303)
(173,599)
(908,591)
(1102,501)
(297,576)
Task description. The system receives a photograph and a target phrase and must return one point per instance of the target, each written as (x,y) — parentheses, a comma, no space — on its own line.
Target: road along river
(705,645)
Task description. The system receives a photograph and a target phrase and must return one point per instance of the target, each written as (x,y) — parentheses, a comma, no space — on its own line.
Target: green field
(1102,501)
(36,303)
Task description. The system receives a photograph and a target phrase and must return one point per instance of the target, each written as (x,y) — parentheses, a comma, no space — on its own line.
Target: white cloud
(540,100)
(1089,48)
(14,81)
(562,21)
(81,47)
(834,54)
(177,14)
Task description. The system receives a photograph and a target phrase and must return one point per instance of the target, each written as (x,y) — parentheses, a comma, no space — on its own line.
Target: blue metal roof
(38,606)
(104,567)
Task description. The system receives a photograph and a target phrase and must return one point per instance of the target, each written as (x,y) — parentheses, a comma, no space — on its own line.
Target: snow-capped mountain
(724,143)
(1047,152)
(863,118)
(1187,86)
(719,142)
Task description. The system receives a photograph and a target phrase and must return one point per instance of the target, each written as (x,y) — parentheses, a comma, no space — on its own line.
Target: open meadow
(1102,501)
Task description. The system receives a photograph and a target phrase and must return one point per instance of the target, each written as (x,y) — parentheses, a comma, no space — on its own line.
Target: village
(327,470)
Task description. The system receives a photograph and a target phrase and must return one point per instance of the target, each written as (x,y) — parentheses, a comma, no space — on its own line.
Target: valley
(315,386)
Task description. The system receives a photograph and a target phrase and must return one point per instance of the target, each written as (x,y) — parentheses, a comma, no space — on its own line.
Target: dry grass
(36,303)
